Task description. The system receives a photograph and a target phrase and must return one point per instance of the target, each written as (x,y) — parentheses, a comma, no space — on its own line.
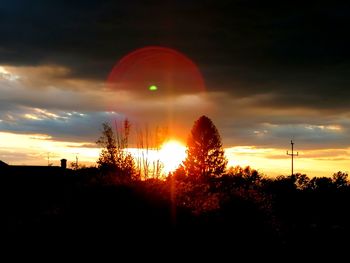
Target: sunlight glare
(3,70)
(172,153)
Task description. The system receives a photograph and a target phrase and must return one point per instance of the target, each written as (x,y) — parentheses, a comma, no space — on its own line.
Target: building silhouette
(34,169)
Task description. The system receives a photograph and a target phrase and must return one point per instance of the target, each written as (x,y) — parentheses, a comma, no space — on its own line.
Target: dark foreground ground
(79,211)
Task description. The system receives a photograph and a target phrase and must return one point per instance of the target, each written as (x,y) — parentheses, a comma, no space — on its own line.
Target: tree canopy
(205,154)
(108,155)
(114,157)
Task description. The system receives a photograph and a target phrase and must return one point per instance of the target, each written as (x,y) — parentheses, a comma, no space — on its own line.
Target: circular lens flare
(173,71)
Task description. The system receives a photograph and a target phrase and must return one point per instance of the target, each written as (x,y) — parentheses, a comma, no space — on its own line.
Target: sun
(172,153)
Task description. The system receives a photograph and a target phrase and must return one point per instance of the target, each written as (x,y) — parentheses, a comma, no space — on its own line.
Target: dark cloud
(278,63)
(232,41)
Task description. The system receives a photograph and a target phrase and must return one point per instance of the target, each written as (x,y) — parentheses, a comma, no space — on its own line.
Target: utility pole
(292,154)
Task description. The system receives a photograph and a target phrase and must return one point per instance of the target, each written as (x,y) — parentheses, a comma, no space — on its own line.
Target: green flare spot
(153,88)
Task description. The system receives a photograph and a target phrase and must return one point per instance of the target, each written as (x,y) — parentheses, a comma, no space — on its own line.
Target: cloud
(75,111)
(72,111)
(274,71)
(295,54)
(246,122)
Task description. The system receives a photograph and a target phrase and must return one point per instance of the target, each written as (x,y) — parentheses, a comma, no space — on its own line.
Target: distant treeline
(200,205)
(235,209)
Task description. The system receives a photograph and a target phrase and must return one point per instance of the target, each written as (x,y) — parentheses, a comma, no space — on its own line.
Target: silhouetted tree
(340,179)
(125,161)
(282,184)
(149,140)
(251,176)
(205,155)
(108,156)
(244,177)
(321,184)
(113,156)
(178,174)
(301,181)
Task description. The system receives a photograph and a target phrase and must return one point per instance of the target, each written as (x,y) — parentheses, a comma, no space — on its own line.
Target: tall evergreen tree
(205,154)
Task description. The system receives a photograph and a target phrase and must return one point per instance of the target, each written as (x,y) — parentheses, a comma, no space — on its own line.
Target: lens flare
(153,88)
(170,69)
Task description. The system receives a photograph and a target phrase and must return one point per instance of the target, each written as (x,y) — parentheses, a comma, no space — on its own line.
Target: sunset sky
(273,71)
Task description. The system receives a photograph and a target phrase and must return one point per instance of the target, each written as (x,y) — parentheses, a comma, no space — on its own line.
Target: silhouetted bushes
(241,206)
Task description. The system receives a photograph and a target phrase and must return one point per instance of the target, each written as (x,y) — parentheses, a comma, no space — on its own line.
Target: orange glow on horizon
(33,149)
